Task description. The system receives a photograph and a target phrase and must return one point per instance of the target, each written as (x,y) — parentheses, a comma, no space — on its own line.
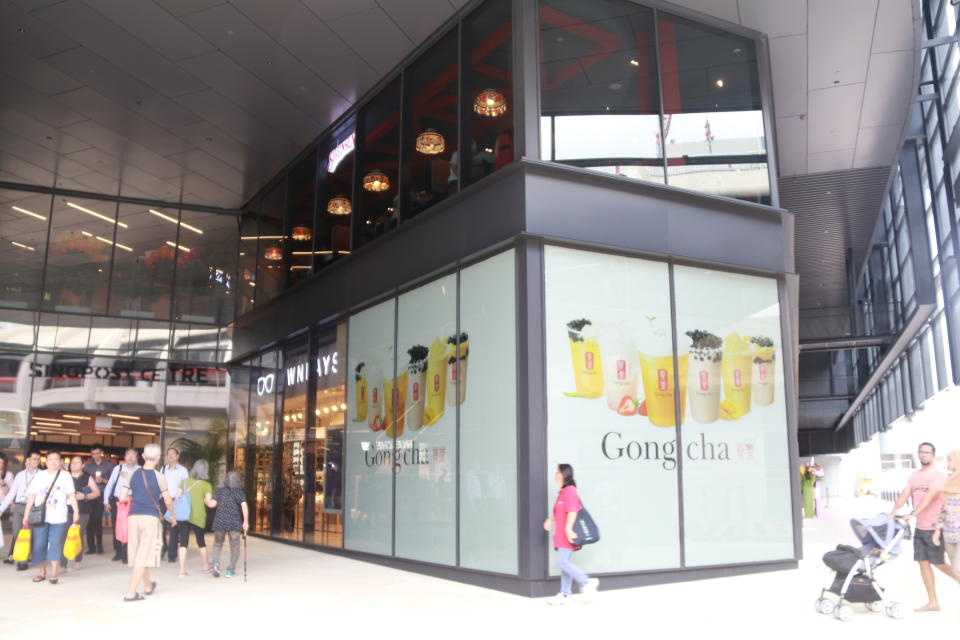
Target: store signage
(614,447)
(299,373)
(174,373)
(340,152)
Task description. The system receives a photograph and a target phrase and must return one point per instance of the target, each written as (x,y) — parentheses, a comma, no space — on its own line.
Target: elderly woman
(198,487)
(87,494)
(54,491)
(947,532)
(232,518)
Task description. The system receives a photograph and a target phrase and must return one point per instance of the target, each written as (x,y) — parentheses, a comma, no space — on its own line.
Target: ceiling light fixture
(273,253)
(635,63)
(430,142)
(339,206)
(490,102)
(97,215)
(301,234)
(376,180)
(21,245)
(720,82)
(262,237)
(179,246)
(70,415)
(174,221)
(29,213)
(122,246)
(121,415)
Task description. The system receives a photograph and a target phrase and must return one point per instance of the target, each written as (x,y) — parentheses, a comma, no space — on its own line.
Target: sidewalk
(317,593)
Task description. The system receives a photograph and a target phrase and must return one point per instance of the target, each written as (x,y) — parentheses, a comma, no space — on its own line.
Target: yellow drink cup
(587,369)
(737,371)
(361,400)
(436,381)
(659,390)
(396,396)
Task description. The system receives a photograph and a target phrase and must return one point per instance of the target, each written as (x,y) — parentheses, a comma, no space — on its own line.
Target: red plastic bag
(120,522)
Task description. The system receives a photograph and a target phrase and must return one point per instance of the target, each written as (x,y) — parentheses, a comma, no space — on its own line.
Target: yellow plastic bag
(72,546)
(21,548)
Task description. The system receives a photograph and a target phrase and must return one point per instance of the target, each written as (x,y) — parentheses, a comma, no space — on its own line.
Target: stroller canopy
(878,531)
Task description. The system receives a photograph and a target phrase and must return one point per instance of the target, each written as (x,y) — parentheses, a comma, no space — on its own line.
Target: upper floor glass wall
(638,93)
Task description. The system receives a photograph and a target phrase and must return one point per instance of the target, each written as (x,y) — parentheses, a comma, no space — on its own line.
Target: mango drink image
(457,369)
(764,380)
(587,371)
(705,379)
(659,389)
(620,370)
(360,377)
(416,386)
(737,373)
(436,380)
(395,394)
(375,403)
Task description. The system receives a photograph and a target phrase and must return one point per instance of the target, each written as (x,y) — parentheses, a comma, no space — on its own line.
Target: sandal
(153,587)
(134,598)
(183,574)
(39,578)
(54,580)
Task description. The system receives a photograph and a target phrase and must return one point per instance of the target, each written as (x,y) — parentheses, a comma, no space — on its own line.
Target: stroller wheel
(895,610)
(825,606)
(874,606)
(844,613)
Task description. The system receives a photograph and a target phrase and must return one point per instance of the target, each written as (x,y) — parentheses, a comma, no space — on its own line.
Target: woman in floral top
(948,525)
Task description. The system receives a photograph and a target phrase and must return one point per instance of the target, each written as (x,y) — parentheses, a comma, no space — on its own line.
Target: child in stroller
(880,538)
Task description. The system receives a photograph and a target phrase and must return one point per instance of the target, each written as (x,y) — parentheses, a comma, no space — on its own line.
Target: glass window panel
(113,336)
(596,377)
(18,329)
(378,142)
(247,261)
(73,333)
(301,196)
(271,265)
(488,429)
(432,381)
(368,486)
(153,339)
(296,375)
(335,194)
(430,126)
(737,447)
(206,274)
(198,434)
(713,124)
(78,259)
(239,409)
(598,83)
(264,383)
(487,62)
(24,219)
(941,352)
(326,496)
(144,256)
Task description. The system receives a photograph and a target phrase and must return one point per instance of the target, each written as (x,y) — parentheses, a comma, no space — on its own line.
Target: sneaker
(230,573)
(559,600)
(8,561)
(591,586)
(216,569)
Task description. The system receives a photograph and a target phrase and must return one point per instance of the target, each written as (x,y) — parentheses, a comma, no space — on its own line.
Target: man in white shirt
(118,480)
(174,473)
(18,497)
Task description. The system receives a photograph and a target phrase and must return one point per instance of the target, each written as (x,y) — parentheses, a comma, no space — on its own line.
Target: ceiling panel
(15,169)
(217,142)
(889,34)
(792,140)
(120,147)
(330,9)
(890,75)
(418,19)
(775,18)
(29,34)
(34,73)
(836,160)
(833,117)
(40,156)
(789,56)
(375,37)
(102,162)
(723,9)
(97,33)
(120,87)
(203,163)
(848,28)
(154,26)
(314,43)
(40,133)
(875,145)
(20,97)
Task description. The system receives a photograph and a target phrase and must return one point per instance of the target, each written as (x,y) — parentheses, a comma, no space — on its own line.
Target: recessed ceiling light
(21,245)
(98,215)
(635,63)
(29,213)
(616,86)
(174,221)
(21,30)
(178,246)
(720,82)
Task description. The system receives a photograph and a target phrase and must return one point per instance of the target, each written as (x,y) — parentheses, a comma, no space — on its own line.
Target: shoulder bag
(584,529)
(38,512)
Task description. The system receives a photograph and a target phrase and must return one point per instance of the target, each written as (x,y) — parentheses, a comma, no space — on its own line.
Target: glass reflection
(334,195)
(146,249)
(301,200)
(378,140)
(23,219)
(78,258)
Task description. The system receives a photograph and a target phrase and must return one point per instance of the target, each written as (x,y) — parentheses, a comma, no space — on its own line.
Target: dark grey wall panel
(586,206)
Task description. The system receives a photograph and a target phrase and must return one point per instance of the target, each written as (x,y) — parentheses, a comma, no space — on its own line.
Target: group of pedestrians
(936,507)
(145,498)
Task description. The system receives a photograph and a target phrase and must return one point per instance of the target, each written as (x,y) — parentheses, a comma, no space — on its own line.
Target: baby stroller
(854,581)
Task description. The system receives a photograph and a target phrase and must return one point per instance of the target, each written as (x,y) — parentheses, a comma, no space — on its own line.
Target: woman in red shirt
(564,516)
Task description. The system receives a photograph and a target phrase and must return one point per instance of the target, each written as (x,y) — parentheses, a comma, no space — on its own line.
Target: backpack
(181,506)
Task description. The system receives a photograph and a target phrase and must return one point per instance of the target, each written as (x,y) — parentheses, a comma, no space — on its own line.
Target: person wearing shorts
(146,489)
(925,552)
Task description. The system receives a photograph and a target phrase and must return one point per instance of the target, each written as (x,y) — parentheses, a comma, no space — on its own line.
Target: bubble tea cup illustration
(587,371)
(620,370)
(705,378)
(360,378)
(657,372)
(737,374)
(763,370)
(375,408)
(416,386)
(457,369)
(436,380)
(395,396)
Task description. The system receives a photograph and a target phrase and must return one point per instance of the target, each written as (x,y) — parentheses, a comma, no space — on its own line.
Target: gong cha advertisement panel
(610,402)
(736,478)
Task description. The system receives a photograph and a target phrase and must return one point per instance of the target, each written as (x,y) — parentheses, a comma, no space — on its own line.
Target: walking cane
(244,557)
